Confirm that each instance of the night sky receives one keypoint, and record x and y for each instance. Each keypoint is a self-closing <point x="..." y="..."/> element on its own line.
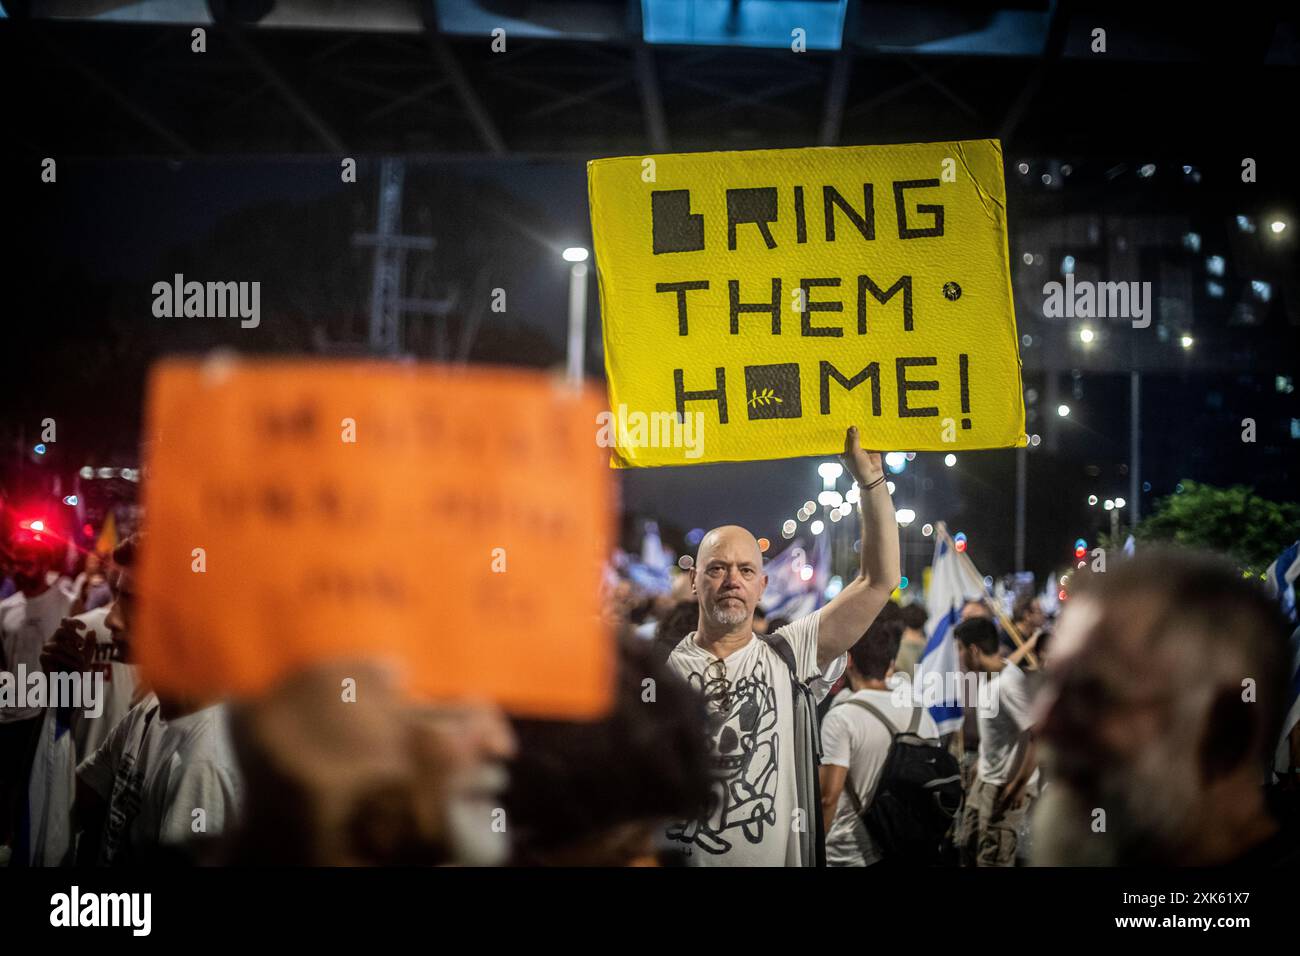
<point x="112" y="228"/>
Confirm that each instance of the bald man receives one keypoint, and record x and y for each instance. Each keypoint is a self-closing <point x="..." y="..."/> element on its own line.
<point x="760" y="813"/>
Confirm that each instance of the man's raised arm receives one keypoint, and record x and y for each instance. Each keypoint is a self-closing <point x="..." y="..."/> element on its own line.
<point x="847" y="618"/>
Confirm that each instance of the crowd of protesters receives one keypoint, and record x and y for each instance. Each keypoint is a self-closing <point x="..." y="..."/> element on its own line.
<point x="1141" y="727"/>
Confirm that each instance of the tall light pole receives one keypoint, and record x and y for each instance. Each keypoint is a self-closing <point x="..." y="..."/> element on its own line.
<point x="1135" y="446"/>
<point x="577" y="257"/>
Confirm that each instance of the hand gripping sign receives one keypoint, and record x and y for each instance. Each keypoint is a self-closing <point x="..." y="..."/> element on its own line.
<point x="772" y="298"/>
<point x="450" y="523"/>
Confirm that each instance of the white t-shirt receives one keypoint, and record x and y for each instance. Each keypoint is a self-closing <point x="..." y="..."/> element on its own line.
<point x="25" y="625"/>
<point x="1000" y="733"/>
<point x="751" y="819"/>
<point x="856" y="739"/>
<point x="52" y="787"/>
<point x="154" y="774"/>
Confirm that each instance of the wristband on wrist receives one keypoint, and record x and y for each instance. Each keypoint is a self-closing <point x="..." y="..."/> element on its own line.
<point x="878" y="481"/>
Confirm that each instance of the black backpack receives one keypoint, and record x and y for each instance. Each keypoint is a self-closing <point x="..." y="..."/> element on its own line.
<point x="916" y="797"/>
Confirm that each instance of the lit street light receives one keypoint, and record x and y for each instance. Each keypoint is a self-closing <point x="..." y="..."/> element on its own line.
<point x="577" y="255"/>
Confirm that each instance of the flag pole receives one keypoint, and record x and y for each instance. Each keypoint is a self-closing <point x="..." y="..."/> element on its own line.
<point x="1013" y="632"/>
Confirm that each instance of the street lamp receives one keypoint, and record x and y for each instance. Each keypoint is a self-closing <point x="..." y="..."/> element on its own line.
<point x="577" y="257"/>
<point x="1063" y="410"/>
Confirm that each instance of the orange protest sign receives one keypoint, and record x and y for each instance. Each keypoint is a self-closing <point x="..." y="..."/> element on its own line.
<point x="451" y="522"/>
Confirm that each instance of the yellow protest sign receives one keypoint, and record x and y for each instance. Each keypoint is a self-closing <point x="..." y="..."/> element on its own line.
<point x="757" y="303"/>
<point x="450" y="523"/>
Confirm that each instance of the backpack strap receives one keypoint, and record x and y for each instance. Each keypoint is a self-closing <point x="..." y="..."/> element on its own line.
<point x="914" y="724"/>
<point x="808" y="750"/>
<point x="893" y="731"/>
<point x="783" y="651"/>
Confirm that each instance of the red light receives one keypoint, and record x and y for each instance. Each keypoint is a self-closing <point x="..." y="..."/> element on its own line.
<point x="88" y="530"/>
<point x="959" y="545"/>
<point x="1061" y="594"/>
<point x="1080" y="552"/>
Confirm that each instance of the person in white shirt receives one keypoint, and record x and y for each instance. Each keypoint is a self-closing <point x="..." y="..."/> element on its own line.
<point x="1006" y="777"/>
<point x="165" y="777"/>
<point x="82" y="644"/>
<point x="855" y="743"/>
<point x="27" y="617"/>
<point x="764" y="776"/>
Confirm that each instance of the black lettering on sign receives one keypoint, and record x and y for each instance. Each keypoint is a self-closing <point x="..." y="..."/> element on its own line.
<point x="900" y="206"/>
<point x="901" y="365"/>
<point x="865" y="285"/>
<point x="963" y="363"/>
<point x="672" y="225"/>
<point x="286" y="424"/>
<point x="277" y="502"/>
<point x="772" y="391"/>
<point x="718" y="394"/>
<point x="866" y="223"/>
<point x="681" y="288"/>
<point x="751" y="205"/>
<point x="800" y="222"/>
<point x="737" y="307"/>
<point x="829" y="371"/>
<point x="809" y="307"/>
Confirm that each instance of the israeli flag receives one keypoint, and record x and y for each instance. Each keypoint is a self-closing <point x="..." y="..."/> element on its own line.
<point x="953" y="581"/>
<point x="652" y="573"/>
<point x="793" y="592"/>
<point x="1280" y="581"/>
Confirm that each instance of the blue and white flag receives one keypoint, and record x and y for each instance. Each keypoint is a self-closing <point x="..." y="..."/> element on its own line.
<point x="796" y="580"/>
<point x="652" y="573"/>
<point x="953" y="581"/>
<point x="1281" y="577"/>
<point x="1280" y="581"/>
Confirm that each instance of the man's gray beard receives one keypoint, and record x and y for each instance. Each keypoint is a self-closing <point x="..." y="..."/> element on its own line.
<point x="470" y="818"/>
<point x="729" y="618"/>
<point x="1148" y="817"/>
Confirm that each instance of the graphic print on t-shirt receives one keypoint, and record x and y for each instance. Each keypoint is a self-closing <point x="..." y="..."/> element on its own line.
<point x="746" y="753"/>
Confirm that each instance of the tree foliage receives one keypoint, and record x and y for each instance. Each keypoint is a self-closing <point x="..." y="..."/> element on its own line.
<point x="1234" y="521"/>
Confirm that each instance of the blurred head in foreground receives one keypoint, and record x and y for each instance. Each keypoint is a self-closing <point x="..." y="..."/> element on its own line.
<point x="341" y="769"/>
<point x="1160" y="711"/>
<point x="598" y="793"/>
